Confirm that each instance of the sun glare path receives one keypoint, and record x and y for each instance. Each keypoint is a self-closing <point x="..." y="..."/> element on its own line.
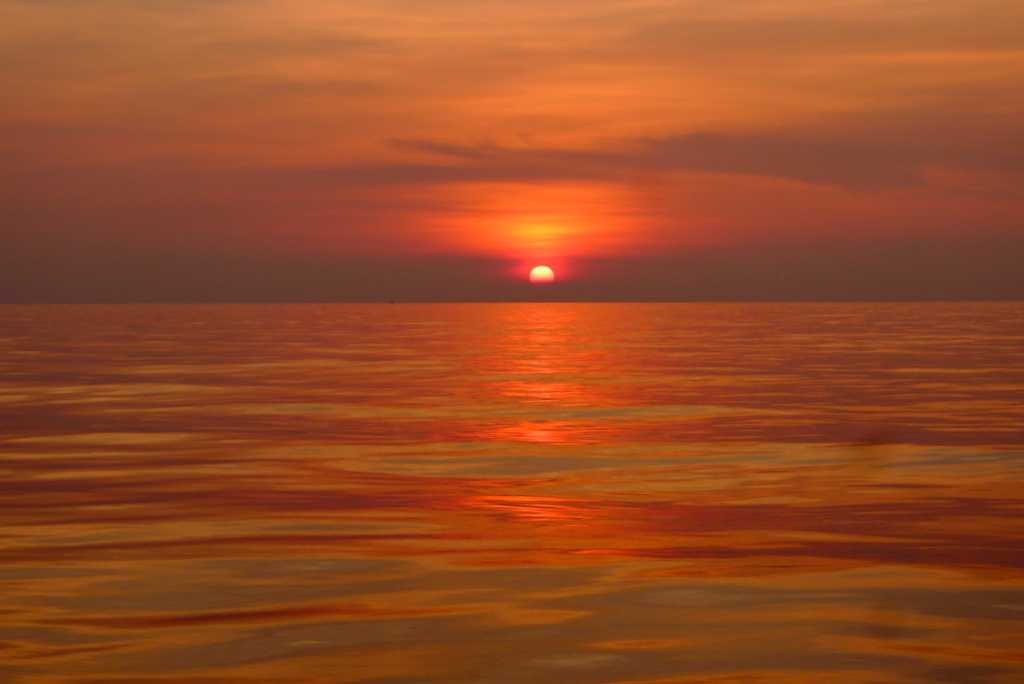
<point x="541" y="274"/>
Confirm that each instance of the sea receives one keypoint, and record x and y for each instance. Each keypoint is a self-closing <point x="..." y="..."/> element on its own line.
<point x="549" y="493"/>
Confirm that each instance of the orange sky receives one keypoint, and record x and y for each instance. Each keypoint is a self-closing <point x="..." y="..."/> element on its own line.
<point x="514" y="130"/>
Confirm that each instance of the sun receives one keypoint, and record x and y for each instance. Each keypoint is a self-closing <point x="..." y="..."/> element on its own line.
<point x="541" y="274"/>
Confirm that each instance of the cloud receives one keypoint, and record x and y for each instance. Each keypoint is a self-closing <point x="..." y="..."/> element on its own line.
<point x="841" y="162"/>
<point x="849" y="162"/>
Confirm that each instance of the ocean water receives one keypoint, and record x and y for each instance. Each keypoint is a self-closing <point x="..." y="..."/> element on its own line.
<point x="549" y="493"/>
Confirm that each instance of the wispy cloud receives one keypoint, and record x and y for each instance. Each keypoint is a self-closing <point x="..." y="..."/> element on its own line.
<point x="841" y="161"/>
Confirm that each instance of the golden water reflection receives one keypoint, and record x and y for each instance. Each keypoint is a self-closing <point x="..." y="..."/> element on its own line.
<point x="512" y="493"/>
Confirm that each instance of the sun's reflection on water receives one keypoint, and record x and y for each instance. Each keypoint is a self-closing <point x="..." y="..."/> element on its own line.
<point x="543" y="493"/>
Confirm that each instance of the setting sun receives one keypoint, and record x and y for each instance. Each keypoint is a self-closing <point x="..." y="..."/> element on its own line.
<point x="541" y="274"/>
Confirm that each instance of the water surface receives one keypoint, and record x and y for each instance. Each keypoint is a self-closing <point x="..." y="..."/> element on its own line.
<point x="563" y="493"/>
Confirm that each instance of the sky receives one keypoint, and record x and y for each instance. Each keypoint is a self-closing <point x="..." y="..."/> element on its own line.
<point x="315" y="150"/>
